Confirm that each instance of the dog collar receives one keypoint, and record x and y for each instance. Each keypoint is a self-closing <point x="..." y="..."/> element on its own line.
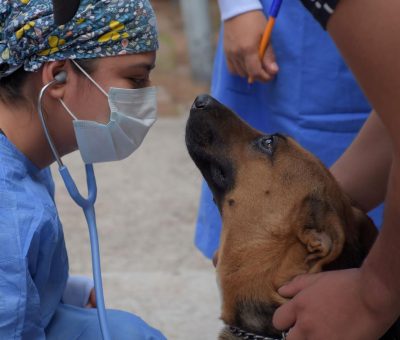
<point x="240" y="333"/>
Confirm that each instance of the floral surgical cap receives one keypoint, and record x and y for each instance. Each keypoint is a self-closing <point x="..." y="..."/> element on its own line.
<point x="100" y="28"/>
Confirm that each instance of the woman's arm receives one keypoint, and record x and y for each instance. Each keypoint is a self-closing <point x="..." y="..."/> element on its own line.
<point x="363" y="170"/>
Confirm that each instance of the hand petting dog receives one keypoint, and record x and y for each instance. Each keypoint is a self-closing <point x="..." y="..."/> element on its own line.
<point x="307" y="317"/>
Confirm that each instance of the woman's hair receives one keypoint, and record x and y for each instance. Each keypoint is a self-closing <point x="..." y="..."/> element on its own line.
<point x="11" y="87"/>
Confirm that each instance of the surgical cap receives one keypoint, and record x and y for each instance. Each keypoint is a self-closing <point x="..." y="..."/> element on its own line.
<point x="100" y="28"/>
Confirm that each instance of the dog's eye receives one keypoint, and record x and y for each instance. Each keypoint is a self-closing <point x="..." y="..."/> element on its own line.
<point x="267" y="144"/>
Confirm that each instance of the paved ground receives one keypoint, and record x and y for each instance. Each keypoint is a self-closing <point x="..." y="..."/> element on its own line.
<point x="146" y="211"/>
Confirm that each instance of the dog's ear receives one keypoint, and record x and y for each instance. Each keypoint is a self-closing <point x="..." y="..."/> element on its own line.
<point x="322" y="234"/>
<point x="360" y="234"/>
<point x="215" y="259"/>
<point x="365" y="229"/>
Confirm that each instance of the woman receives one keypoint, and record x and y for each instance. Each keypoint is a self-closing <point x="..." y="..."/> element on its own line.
<point x="104" y="52"/>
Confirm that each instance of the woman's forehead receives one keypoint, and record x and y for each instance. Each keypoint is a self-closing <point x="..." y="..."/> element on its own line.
<point x="145" y="61"/>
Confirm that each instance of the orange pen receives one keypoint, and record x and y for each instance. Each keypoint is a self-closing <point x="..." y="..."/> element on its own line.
<point x="273" y="13"/>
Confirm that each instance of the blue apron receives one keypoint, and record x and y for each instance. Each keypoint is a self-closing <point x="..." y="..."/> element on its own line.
<point x="314" y="99"/>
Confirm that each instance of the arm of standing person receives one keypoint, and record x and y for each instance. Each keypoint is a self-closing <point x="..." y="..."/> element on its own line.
<point x="230" y="9"/>
<point x="244" y="24"/>
<point x="359" y="303"/>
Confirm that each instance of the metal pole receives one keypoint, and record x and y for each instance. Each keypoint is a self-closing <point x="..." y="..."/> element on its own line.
<point x="196" y="18"/>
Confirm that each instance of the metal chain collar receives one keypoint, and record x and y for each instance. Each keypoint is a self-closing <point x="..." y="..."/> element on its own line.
<point x="251" y="336"/>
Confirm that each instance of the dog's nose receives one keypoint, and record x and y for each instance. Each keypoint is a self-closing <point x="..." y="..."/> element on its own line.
<point x="202" y="101"/>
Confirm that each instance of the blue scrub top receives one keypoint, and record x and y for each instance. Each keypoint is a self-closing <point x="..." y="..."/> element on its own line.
<point x="314" y="99"/>
<point x="34" y="263"/>
<point x="33" y="258"/>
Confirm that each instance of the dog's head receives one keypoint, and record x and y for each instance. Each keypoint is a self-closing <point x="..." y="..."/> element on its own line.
<point x="283" y="213"/>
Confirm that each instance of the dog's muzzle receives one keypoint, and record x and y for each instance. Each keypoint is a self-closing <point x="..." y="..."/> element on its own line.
<point x="251" y="336"/>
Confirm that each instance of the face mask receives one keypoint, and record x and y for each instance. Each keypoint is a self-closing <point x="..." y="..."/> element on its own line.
<point x="133" y="112"/>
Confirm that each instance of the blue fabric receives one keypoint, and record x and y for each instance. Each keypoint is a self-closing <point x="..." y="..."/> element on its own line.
<point x="33" y="258"/>
<point x="314" y="99"/>
<point x="100" y="28"/>
<point x="72" y="322"/>
<point x="34" y="263"/>
<point x="77" y="290"/>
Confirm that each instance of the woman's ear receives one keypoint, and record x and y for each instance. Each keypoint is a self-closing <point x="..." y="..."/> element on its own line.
<point x="55" y="71"/>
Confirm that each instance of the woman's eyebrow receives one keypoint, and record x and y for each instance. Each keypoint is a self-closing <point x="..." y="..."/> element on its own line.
<point x="146" y="66"/>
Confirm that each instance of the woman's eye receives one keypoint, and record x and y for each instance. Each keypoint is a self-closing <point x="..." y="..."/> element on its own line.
<point x="140" y="82"/>
<point x="267" y="144"/>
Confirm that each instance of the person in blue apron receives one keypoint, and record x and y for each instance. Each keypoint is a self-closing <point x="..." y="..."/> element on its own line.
<point x="313" y="98"/>
<point x="90" y="77"/>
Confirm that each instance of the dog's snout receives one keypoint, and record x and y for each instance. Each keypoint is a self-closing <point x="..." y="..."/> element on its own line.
<point x="202" y="101"/>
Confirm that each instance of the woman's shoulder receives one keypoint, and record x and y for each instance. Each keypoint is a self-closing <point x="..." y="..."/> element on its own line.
<point x="18" y="172"/>
<point x="12" y="161"/>
<point x="26" y="195"/>
<point x="28" y="218"/>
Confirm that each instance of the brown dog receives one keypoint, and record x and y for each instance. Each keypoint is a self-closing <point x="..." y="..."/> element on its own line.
<point x="283" y="215"/>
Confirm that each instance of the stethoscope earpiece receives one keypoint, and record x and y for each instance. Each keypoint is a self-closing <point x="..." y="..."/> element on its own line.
<point x="61" y="77"/>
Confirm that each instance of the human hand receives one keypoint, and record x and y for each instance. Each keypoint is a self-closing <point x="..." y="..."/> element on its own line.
<point x="92" y="303"/>
<point x="331" y="306"/>
<point x="242" y="37"/>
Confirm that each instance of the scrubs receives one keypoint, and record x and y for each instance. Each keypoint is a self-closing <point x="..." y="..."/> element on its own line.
<point x="34" y="262"/>
<point x="314" y="99"/>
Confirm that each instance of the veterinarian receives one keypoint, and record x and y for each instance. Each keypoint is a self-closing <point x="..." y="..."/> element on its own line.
<point x="360" y="303"/>
<point x="290" y="96"/>
<point x="98" y="62"/>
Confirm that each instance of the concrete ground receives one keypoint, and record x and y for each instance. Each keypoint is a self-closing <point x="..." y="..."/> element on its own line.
<point x="146" y="212"/>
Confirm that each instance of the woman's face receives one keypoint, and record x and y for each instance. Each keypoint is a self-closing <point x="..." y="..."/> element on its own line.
<point x="87" y="102"/>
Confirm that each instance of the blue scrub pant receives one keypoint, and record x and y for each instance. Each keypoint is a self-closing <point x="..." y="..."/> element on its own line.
<point x="70" y="323"/>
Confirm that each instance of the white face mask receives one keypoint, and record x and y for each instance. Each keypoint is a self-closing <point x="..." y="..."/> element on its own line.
<point x="133" y="112"/>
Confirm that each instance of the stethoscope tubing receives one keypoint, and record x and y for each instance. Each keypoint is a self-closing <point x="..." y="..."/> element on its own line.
<point x="87" y="204"/>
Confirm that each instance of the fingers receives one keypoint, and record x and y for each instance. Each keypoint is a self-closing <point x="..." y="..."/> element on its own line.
<point x="254" y="68"/>
<point x="248" y="65"/>
<point x="92" y="300"/>
<point x="297" y="284"/>
<point x="242" y="36"/>
<point x="284" y="317"/>
<point x="295" y="334"/>
<point x="269" y="62"/>
<point x="235" y="66"/>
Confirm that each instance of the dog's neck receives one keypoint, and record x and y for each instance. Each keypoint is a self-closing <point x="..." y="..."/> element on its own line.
<point x="256" y="316"/>
<point x="242" y="334"/>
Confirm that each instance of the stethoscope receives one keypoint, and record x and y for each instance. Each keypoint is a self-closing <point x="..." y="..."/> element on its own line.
<point x="87" y="206"/>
